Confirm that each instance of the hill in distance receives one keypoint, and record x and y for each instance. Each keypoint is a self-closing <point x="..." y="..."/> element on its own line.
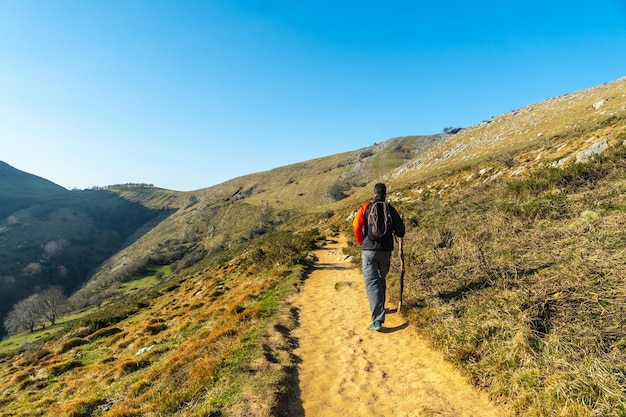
<point x="18" y="189"/>
<point x="52" y="237"/>
<point x="514" y="257"/>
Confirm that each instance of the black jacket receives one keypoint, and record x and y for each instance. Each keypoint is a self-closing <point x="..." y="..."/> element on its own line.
<point x="387" y="244"/>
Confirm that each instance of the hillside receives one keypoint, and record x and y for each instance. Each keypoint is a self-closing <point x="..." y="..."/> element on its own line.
<point x="212" y="220"/>
<point x="18" y="189"/>
<point x="515" y="267"/>
<point x="52" y="237"/>
<point x="550" y="132"/>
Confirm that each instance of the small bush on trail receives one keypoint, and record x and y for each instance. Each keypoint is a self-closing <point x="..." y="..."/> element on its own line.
<point x="283" y="248"/>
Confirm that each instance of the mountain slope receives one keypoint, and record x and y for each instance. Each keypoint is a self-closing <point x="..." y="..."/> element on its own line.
<point x="514" y="255"/>
<point x="18" y="189"/>
<point x="52" y="237"/>
<point x="544" y="132"/>
<point x="21" y="184"/>
<point x="217" y="218"/>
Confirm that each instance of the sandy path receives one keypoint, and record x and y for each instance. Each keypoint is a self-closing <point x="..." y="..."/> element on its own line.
<point x="347" y="370"/>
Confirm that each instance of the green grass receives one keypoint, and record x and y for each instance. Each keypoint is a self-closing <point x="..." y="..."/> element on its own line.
<point x="10" y="345"/>
<point x="155" y="275"/>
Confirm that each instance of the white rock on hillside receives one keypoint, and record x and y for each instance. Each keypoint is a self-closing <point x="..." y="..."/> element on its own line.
<point x="595" y="149"/>
<point x="144" y="350"/>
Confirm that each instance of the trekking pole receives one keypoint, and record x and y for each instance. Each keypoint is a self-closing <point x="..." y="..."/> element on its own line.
<point x="401" y="253"/>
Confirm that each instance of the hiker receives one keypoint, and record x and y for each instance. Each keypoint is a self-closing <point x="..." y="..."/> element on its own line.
<point x="376" y="236"/>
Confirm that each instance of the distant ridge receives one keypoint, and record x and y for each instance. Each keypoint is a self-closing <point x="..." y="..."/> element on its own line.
<point x="23" y="184"/>
<point x="19" y="189"/>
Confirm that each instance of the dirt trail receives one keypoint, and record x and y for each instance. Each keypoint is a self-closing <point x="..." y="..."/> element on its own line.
<point x="347" y="370"/>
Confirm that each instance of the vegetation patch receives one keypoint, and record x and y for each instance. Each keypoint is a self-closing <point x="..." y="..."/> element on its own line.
<point x="82" y="407"/>
<point x="129" y="366"/>
<point x="208" y="358"/>
<point x="106" y="332"/>
<point x="526" y="297"/>
<point x="63" y="367"/>
<point x="72" y="343"/>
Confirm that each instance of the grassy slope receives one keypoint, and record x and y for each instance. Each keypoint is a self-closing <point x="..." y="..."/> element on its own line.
<point x="217" y="218"/>
<point x="19" y="190"/>
<point x="520" y="283"/>
<point x="19" y="184"/>
<point x="514" y="274"/>
<point x="204" y="337"/>
<point x="515" y="269"/>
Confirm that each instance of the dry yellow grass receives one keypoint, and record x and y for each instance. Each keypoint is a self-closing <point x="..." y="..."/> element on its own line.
<point x="190" y="354"/>
<point x="520" y="282"/>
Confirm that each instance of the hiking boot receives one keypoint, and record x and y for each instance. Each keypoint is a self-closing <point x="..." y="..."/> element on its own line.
<point x="375" y="326"/>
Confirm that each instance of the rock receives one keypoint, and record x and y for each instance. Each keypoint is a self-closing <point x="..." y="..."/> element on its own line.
<point x="595" y="149"/>
<point x="598" y="104"/>
<point x="561" y="161"/>
<point x="144" y="350"/>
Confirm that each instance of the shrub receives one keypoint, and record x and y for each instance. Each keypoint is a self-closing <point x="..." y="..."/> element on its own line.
<point x="112" y="314"/>
<point x="154" y="329"/>
<point x="547" y="206"/>
<point x="283" y="248"/>
<point x="132" y="365"/>
<point x="82" y="407"/>
<point x="33" y="354"/>
<point x="337" y="192"/>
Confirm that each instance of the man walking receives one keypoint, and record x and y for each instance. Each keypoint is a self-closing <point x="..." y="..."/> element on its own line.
<point x="374" y="227"/>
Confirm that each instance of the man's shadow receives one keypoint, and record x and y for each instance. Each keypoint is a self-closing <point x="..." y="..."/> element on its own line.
<point x="395" y="328"/>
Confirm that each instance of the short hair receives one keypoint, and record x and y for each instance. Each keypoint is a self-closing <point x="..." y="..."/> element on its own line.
<point x="380" y="189"/>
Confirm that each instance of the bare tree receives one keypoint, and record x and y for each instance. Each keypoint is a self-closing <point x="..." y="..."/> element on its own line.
<point x="52" y="301"/>
<point x="24" y="316"/>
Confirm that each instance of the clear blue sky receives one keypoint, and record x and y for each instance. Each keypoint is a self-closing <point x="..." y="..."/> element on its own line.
<point x="188" y="94"/>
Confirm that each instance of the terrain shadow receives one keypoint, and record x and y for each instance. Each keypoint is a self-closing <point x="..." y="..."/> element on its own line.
<point x="394" y="329"/>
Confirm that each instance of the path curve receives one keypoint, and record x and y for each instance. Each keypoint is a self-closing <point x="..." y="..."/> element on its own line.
<point x="347" y="370"/>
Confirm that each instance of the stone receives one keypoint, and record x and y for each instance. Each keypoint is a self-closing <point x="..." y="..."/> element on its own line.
<point x="595" y="149"/>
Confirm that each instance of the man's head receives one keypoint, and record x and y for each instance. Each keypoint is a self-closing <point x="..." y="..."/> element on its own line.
<point x="380" y="190"/>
